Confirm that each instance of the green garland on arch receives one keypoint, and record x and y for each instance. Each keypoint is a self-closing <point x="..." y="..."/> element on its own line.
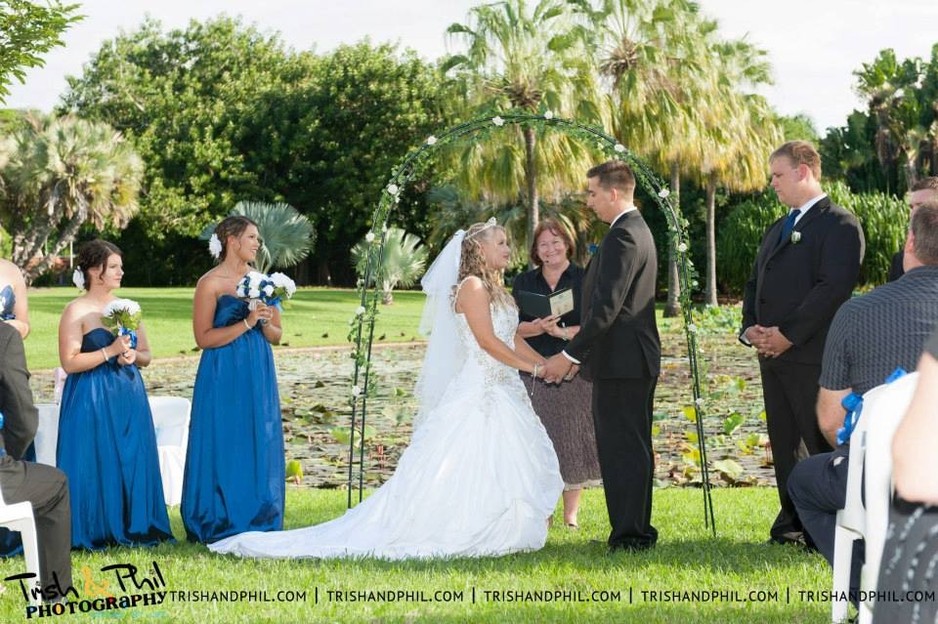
<point x="362" y="324"/>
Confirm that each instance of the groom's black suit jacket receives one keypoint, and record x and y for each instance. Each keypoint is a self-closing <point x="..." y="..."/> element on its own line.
<point x="620" y="350"/>
<point x="618" y="337"/>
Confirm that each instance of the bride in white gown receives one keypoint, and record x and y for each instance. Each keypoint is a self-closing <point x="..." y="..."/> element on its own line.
<point x="480" y="477"/>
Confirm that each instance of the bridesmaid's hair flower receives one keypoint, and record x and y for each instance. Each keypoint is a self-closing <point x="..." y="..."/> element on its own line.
<point x="78" y="278"/>
<point x="214" y="246"/>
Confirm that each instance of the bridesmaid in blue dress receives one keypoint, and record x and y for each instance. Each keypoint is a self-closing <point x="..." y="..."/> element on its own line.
<point x="107" y="445"/>
<point x="234" y="478"/>
<point x="13" y="306"/>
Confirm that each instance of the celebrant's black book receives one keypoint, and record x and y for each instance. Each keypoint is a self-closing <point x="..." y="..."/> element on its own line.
<point x="539" y="306"/>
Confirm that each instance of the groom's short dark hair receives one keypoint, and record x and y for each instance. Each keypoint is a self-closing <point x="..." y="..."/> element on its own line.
<point x="614" y="174"/>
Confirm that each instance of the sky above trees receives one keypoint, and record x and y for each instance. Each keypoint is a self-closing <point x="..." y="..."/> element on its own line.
<point x="813" y="46"/>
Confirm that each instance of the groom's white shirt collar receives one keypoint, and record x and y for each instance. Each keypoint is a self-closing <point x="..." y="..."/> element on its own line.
<point x="628" y="209"/>
<point x="805" y="207"/>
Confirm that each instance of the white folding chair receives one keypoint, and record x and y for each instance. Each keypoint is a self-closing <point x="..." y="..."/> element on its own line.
<point x="19" y="517"/>
<point x="851" y="520"/>
<point x="171" y="422"/>
<point x="47" y="434"/>
<point x="884" y="419"/>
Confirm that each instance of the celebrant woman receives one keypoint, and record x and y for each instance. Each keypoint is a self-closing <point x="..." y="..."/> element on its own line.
<point x="565" y="409"/>
<point x="480" y="476"/>
<point x="234" y="477"/>
<point x="107" y="445"/>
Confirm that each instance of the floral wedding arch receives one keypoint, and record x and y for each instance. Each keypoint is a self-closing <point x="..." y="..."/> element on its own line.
<point x="362" y="325"/>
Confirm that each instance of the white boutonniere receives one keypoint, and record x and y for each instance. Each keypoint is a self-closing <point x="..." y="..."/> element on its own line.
<point x="795" y="237"/>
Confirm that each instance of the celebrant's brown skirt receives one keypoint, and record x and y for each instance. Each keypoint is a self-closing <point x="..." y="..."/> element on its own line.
<point x="568" y="418"/>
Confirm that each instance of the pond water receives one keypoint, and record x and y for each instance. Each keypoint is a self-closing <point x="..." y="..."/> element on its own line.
<point x="315" y="383"/>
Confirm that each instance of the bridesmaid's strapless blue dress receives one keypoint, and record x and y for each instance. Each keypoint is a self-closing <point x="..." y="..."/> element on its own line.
<point x="107" y="448"/>
<point x="234" y="478"/>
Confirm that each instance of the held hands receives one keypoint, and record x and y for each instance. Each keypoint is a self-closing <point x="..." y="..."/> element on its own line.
<point x="768" y="341"/>
<point x="558" y="368"/>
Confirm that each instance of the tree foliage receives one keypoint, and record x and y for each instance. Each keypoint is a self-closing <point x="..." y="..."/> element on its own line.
<point x="403" y="262"/>
<point x="56" y="175"/>
<point x="27" y="31"/>
<point x="529" y="57"/>
<point x="894" y="142"/>
<point x="223" y="113"/>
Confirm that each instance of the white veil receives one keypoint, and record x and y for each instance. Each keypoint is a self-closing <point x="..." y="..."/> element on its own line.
<point x="445" y="354"/>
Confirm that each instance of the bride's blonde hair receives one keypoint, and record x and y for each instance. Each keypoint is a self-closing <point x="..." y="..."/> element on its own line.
<point x="472" y="261"/>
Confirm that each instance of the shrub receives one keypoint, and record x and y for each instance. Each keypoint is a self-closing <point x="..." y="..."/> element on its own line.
<point x="884" y="220"/>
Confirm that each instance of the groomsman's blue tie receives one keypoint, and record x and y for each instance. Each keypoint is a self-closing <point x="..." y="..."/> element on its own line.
<point x="789" y="225"/>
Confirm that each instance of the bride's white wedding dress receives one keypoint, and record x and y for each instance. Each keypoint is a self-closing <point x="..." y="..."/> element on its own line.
<point x="480" y="477"/>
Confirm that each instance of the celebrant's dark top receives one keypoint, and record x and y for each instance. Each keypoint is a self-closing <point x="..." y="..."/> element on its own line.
<point x="533" y="281"/>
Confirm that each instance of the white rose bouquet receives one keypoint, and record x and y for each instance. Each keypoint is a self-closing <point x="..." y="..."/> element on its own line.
<point x="271" y="289"/>
<point x="123" y="316"/>
<point x="284" y="288"/>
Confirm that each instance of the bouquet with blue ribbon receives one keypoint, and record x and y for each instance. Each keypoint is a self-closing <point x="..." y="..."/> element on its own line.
<point x="7" y="301"/>
<point x="122" y="317"/>
<point x="270" y="289"/>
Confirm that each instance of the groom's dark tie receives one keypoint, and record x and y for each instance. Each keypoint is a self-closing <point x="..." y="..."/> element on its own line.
<point x="789" y="224"/>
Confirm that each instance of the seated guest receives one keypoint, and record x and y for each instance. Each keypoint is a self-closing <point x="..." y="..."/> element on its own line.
<point x="924" y="190"/>
<point x="43" y="486"/>
<point x="911" y="543"/>
<point x="14" y="310"/>
<point x="869" y="337"/>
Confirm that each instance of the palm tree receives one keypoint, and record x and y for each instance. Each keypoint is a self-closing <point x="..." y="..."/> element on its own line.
<point x="287" y="235"/>
<point x="741" y="130"/>
<point x="892" y="89"/>
<point x="650" y="56"/>
<point x="59" y="174"/>
<point x="529" y="60"/>
<point x="402" y="262"/>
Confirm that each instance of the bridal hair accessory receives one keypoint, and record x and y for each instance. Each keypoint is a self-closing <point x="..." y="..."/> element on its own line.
<point x="214" y="246"/>
<point x="444" y="355"/>
<point x="78" y="278"/>
<point x="488" y="224"/>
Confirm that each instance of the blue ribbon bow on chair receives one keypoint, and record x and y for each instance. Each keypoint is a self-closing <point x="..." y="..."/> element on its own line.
<point x="853" y="403"/>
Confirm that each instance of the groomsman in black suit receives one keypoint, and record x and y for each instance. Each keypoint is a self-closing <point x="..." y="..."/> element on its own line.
<point x="619" y="350"/>
<point x="43" y="486"/>
<point x="807" y="265"/>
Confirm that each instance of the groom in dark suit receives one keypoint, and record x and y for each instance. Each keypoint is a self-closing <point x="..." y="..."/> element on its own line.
<point x="619" y="350"/>
<point x="807" y="265"/>
<point x="43" y="486"/>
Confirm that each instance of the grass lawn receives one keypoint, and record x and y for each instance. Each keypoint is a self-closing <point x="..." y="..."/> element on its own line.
<point x="706" y="579"/>
<point x="315" y="317"/>
<point x="744" y="579"/>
